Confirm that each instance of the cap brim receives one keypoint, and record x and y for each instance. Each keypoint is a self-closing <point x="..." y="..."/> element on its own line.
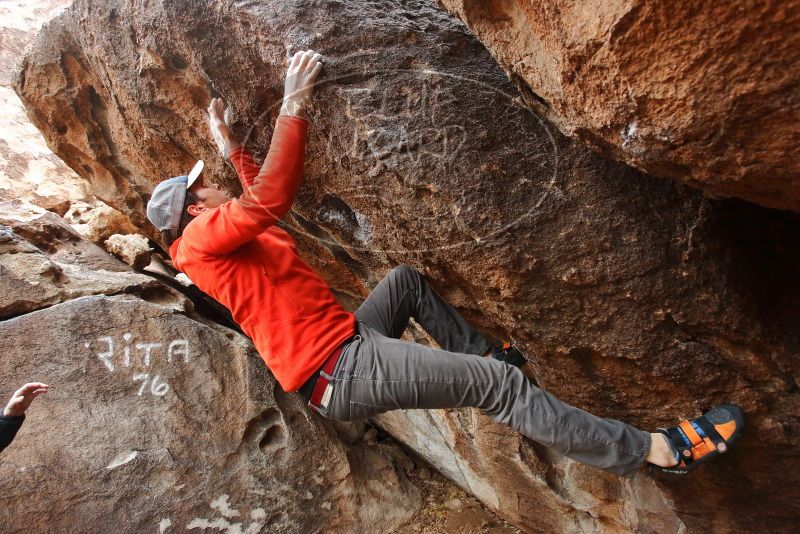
<point x="195" y="174"/>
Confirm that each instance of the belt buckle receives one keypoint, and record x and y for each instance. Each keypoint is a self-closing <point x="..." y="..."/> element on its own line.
<point x="327" y="393"/>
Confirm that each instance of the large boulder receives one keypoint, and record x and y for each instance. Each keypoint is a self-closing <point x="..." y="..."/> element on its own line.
<point x="155" y="420"/>
<point x="635" y="297"/>
<point x="28" y="169"/>
<point x="159" y="420"/>
<point x="702" y="92"/>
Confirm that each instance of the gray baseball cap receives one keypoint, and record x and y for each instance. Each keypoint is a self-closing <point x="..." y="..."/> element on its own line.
<point x="166" y="203"/>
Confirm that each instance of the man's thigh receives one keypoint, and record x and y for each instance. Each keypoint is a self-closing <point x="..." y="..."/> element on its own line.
<point x="381" y="373"/>
<point x="389" y="305"/>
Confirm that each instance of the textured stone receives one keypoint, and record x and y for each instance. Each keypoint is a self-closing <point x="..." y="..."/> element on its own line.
<point x="29" y="171"/>
<point x="56" y="266"/>
<point x="635" y="297"/>
<point x="703" y="92"/>
<point x="97" y="221"/>
<point x="156" y="419"/>
<point x="133" y="249"/>
<point x="55" y="237"/>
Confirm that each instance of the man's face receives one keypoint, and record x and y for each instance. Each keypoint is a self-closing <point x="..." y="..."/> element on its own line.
<point x="208" y="197"/>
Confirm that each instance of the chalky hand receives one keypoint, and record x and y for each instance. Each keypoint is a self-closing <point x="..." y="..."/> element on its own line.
<point x="304" y="68"/>
<point x="225" y="139"/>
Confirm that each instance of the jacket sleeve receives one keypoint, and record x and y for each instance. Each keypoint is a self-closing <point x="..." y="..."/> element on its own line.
<point x="246" y="167"/>
<point x="225" y="229"/>
<point x="8" y="429"/>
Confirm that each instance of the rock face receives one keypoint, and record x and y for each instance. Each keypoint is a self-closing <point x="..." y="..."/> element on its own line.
<point x="159" y="421"/>
<point x="636" y="298"/>
<point x="29" y="171"/>
<point x="72" y="267"/>
<point x="706" y="93"/>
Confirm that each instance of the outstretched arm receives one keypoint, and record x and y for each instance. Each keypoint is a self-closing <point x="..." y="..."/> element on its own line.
<point x="274" y="187"/>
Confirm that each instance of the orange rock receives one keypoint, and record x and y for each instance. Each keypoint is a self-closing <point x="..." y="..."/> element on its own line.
<point x="702" y="92"/>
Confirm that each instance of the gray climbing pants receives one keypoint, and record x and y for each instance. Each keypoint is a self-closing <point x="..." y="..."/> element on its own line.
<point x="378" y="372"/>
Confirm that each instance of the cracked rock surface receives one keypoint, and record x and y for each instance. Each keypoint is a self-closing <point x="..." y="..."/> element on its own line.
<point x="634" y="297"/>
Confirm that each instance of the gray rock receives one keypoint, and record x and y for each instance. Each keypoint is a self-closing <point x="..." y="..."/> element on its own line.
<point x="154" y="418"/>
<point x="636" y="298"/>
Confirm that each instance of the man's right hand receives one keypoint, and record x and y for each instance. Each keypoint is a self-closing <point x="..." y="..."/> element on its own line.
<point x="304" y="68"/>
<point x="23" y="397"/>
<point x="225" y="139"/>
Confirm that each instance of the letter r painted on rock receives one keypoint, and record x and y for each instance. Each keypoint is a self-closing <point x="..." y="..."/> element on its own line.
<point x="107" y="357"/>
<point x="178" y="347"/>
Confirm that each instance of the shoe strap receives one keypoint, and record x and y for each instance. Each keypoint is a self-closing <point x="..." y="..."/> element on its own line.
<point x="681" y="442"/>
<point x="704" y="426"/>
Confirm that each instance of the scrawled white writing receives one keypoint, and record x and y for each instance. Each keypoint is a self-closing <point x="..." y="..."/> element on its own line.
<point x="115" y="355"/>
<point x="157" y="388"/>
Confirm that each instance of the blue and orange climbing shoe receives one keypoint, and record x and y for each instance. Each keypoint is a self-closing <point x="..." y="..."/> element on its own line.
<point x="696" y="441"/>
<point x="509" y="354"/>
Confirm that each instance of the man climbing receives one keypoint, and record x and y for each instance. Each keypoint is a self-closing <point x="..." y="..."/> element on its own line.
<point x="350" y="366"/>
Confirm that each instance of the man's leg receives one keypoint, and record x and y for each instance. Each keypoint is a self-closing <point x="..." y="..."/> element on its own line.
<point x="404" y="293"/>
<point x="377" y="373"/>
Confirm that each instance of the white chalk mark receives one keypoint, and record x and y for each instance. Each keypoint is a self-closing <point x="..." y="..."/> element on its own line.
<point x="221" y="504"/>
<point x="178" y="347"/>
<point x="141" y="376"/>
<point x="219" y="524"/>
<point x="259" y="516"/>
<point x="122" y="459"/>
<point x="158" y="389"/>
<point x="163" y="525"/>
<point x="147" y="347"/>
<point x="106" y="357"/>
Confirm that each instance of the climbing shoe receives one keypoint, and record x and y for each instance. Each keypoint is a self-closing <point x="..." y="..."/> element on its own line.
<point x="693" y="442"/>
<point x="509" y="354"/>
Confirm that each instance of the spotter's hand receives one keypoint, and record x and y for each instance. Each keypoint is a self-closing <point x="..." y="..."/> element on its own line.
<point x="23" y="397"/>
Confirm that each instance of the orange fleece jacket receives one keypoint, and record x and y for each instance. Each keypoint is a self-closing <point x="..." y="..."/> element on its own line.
<point x="237" y="254"/>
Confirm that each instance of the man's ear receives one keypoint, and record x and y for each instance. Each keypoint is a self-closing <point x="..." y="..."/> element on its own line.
<point x="195" y="209"/>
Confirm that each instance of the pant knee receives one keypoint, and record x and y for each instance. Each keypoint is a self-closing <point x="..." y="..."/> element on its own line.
<point x="404" y="271"/>
<point x="508" y="389"/>
<point x="407" y="277"/>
